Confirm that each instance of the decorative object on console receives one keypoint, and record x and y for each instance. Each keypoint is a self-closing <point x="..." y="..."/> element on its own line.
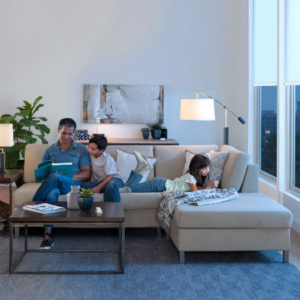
<point x="203" y="110"/>
<point x="127" y="162"/>
<point x="100" y="115"/>
<point x="146" y="132"/>
<point x="217" y="159"/>
<point x="6" y="140"/>
<point x="156" y="130"/>
<point x="126" y="104"/>
<point x="81" y="135"/>
<point x="86" y="200"/>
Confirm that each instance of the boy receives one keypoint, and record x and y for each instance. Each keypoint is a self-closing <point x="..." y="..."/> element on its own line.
<point x="108" y="178"/>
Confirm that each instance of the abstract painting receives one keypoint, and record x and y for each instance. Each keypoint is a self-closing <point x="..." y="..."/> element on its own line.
<point x="125" y="104"/>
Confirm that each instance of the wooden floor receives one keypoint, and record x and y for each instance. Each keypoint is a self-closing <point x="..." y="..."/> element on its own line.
<point x="295" y="236"/>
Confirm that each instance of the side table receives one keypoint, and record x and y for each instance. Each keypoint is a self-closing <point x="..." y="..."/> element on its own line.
<point x="11" y="176"/>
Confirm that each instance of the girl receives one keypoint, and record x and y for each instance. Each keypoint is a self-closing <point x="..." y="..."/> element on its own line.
<point x="195" y="179"/>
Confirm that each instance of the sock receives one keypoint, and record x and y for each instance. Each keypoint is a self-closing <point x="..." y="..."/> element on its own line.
<point x="141" y="162"/>
<point x="145" y="168"/>
<point x="124" y="190"/>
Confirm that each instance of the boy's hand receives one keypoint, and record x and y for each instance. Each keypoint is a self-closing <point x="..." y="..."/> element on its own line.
<point x="96" y="189"/>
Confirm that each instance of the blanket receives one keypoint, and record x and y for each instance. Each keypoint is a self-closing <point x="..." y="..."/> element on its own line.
<point x="202" y="197"/>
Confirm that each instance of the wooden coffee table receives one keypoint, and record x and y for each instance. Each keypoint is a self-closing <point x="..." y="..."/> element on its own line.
<point x="113" y="215"/>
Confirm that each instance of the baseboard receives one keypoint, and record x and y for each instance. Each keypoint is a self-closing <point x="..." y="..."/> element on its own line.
<point x="296" y="225"/>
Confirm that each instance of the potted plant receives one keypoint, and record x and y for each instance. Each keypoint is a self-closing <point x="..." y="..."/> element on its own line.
<point x="164" y="132"/>
<point x="24" y="122"/>
<point x="155" y="130"/>
<point x="146" y="132"/>
<point x="85" y="201"/>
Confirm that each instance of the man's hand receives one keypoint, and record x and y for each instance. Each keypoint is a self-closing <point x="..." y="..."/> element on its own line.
<point x="213" y="184"/>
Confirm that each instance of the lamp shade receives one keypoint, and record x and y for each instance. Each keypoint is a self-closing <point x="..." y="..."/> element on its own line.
<point x="197" y="109"/>
<point x="6" y="135"/>
<point x="101" y="114"/>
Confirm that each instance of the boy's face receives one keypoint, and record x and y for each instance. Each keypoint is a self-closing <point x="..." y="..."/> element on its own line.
<point x="93" y="150"/>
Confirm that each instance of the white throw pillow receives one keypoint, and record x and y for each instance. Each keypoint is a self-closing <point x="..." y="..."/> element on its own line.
<point x="217" y="159"/>
<point x="127" y="162"/>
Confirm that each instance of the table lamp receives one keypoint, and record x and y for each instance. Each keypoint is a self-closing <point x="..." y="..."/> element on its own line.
<point x="203" y="110"/>
<point x="6" y="140"/>
<point x="100" y="115"/>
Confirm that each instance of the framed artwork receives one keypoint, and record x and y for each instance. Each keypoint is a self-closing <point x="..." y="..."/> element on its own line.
<point x="125" y="104"/>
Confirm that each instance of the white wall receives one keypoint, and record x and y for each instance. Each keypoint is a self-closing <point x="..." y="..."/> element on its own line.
<point x="52" y="48"/>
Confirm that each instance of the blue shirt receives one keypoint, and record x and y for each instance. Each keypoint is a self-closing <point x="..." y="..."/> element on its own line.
<point x="78" y="155"/>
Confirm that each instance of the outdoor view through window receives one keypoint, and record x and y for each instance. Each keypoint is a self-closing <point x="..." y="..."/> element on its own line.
<point x="268" y="129"/>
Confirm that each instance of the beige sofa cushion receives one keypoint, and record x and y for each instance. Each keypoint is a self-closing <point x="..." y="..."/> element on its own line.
<point x="34" y="152"/>
<point x="129" y="201"/>
<point x="250" y="210"/>
<point x="171" y="159"/>
<point x="234" y="169"/>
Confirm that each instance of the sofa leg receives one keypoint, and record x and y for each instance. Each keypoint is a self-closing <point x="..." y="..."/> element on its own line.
<point x="158" y="232"/>
<point x="182" y="257"/>
<point x="286" y="256"/>
<point x="17" y="232"/>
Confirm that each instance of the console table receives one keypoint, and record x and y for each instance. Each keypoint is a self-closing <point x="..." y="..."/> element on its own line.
<point x="140" y="142"/>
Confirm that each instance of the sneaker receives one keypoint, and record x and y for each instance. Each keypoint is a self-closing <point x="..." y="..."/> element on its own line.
<point x="47" y="242"/>
<point x="124" y="190"/>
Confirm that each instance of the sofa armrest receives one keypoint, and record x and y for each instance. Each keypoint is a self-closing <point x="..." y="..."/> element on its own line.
<point x="250" y="183"/>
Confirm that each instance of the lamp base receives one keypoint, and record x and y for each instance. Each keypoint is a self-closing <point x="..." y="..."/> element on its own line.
<point x="226" y="136"/>
<point x="2" y="163"/>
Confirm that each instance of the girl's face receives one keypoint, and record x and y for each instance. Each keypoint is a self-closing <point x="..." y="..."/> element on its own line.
<point x="204" y="171"/>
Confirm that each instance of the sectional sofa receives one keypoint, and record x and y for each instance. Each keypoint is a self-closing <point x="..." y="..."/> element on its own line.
<point x="251" y="222"/>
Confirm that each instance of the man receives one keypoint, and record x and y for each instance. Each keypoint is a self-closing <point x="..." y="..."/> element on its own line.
<point x="108" y="178"/>
<point x="64" y="150"/>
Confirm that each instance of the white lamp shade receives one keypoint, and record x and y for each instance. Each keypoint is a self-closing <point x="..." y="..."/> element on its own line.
<point x="197" y="109"/>
<point x="6" y="135"/>
<point x="101" y="114"/>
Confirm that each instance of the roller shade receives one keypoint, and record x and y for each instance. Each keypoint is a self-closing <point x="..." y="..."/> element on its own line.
<point x="292" y="41"/>
<point x="265" y="41"/>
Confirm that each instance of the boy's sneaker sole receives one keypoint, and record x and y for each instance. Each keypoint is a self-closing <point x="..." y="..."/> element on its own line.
<point x="47" y="243"/>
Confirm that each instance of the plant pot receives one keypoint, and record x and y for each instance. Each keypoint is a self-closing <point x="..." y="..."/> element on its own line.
<point x="85" y="204"/>
<point x="164" y="133"/>
<point x="156" y="134"/>
<point x="145" y="134"/>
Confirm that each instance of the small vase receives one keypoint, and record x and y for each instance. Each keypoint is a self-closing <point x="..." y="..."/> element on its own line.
<point x="72" y="198"/>
<point x="145" y="134"/>
<point x="156" y="134"/>
<point x="85" y="204"/>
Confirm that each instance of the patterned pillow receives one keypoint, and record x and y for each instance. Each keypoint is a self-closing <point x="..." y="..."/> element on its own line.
<point x="217" y="159"/>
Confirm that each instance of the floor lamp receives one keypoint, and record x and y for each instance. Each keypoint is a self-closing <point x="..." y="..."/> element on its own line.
<point x="204" y="110"/>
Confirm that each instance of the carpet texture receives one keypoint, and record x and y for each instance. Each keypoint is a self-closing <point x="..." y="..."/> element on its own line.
<point x="152" y="270"/>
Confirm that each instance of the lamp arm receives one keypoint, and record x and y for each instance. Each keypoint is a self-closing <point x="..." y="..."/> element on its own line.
<point x="224" y="106"/>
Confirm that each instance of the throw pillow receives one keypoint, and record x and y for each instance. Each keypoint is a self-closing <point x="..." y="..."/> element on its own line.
<point x="127" y="162"/>
<point x="217" y="159"/>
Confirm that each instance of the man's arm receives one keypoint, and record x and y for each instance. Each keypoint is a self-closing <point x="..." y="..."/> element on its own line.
<point x="101" y="185"/>
<point x="84" y="174"/>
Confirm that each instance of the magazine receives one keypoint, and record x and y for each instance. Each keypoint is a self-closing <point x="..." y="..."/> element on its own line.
<point x="44" y="208"/>
<point x="47" y="167"/>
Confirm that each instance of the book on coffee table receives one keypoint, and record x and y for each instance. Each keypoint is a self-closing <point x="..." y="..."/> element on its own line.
<point x="44" y="208"/>
<point x="47" y="167"/>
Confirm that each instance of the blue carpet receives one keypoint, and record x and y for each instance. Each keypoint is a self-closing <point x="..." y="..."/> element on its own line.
<point x="152" y="270"/>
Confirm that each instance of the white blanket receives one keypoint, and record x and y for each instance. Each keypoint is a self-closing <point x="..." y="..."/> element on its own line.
<point x="202" y="197"/>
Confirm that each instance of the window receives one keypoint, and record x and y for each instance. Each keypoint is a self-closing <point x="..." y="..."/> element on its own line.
<point x="267" y="129"/>
<point x="295" y="93"/>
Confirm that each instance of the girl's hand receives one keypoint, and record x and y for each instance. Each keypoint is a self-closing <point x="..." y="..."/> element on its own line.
<point x="213" y="184"/>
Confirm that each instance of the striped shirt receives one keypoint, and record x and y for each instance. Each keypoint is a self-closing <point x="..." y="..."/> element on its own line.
<point x="180" y="184"/>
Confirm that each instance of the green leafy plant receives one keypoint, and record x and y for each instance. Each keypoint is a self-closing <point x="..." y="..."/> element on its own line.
<point x="145" y="130"/>
<point x="156" y="126"/>
<point x="23" y="123"/>
<point x="86" y="193"/>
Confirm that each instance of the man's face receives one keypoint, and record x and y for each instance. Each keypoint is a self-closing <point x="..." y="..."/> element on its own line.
<point x="65" y="134"/>
<point x="93" y="150"/>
